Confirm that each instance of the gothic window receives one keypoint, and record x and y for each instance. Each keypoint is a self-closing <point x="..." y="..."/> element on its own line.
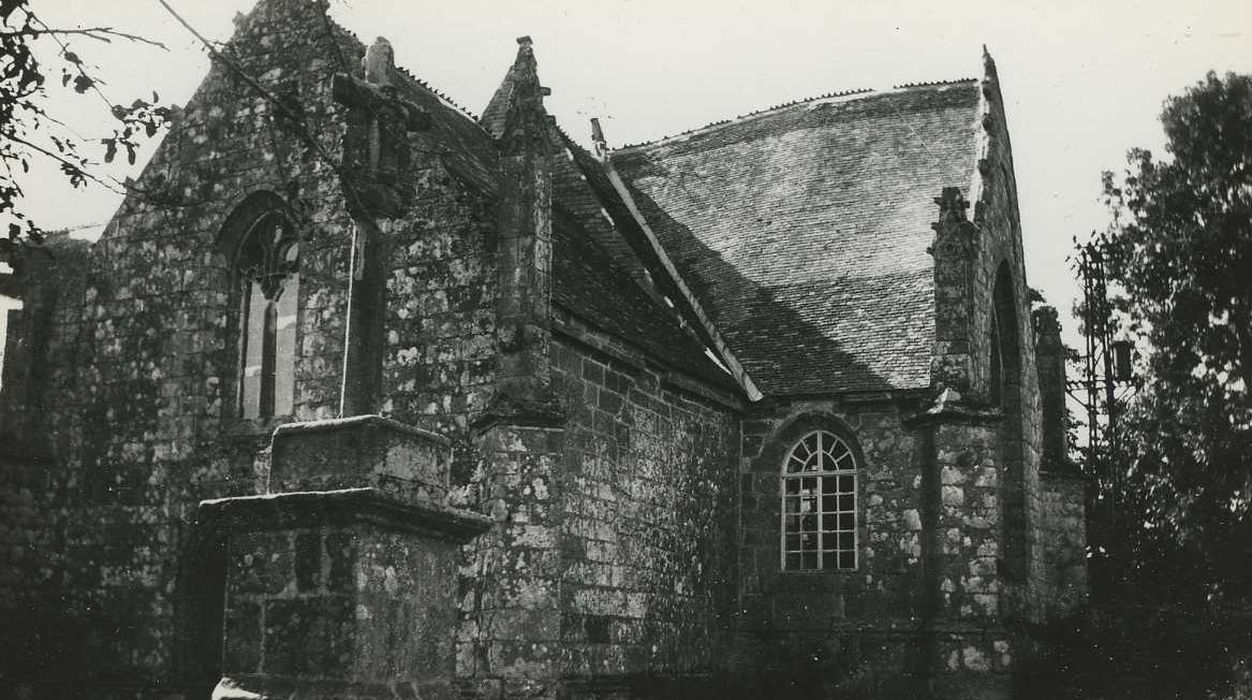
<point x="819" y="509"/>
<point x="995" y="383"/>
<point x="267" y="274"/>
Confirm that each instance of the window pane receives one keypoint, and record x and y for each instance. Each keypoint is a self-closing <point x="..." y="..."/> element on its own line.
<point x="810" y="444"/>
<point x="254" y="331"/>
<point x="819" y="524"/>
<point x="285" y="365"/>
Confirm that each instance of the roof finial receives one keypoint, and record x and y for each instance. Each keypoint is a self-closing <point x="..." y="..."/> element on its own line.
<point x="988" y="66"/>
<point x="952" y="205"/>
<point x="524" y="41"/>
<point x="379" y="62"/>
<point x="597" y="138"/>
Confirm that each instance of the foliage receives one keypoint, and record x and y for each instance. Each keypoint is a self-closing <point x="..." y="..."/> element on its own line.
<point x="1179" y="252"/>
<point x="28" y="131"/>
<point x="1130" y="650"/>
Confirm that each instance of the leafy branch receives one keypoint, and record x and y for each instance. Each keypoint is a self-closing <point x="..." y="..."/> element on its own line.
<point x="28" y="131"/>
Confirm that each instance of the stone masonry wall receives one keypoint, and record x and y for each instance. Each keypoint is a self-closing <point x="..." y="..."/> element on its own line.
<point x="834" y="624"/>
<point x="999" y="248"/>
<point x="140" y="360"/>
<point x="45" y="327"/>
<point x="1064" y="538"/>
<point x="612" y="562"/>
<point x="648" y="539"/>
<point x="440" y="360"/>
<point x="331" y="603"/>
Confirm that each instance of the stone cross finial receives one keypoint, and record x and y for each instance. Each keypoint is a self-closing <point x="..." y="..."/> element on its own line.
<point x="379" y="62"/>
<point x="597" y="138"/>
<point x="376" y="143"/>
<point x="952" y="205"/>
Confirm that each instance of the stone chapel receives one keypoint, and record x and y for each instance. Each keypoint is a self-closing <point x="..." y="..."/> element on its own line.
<point x="359" y="395"/>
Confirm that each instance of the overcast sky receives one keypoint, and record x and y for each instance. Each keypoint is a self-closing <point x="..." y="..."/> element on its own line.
<point x="1083" y="81"/>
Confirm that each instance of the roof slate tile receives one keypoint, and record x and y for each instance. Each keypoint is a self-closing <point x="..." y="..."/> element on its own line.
<point x="804" y="230"/>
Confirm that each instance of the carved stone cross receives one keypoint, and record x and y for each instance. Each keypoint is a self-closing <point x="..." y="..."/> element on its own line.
<point x="376" y="159"/>
<point x="378" y="186"/>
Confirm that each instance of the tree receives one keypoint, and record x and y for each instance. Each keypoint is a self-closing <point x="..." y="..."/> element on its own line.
<point x="1179" y="251"/>
<point x="28" y="131"/>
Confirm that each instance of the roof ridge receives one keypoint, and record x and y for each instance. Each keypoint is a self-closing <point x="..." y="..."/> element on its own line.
<point x="749" y="115"/>
<point x="807" y="100"/>
<point x="438" y="93"/>
<point x="932" y="83"/>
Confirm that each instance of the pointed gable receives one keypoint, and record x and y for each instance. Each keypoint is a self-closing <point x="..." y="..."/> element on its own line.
<point x="596" y="275"/>
<point x="804" y="230"/>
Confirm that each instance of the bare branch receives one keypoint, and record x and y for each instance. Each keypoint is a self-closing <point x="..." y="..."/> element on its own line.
<point x="76" y="166"/>
<point x="97" y="33"/>
<point x="95" y="85"/>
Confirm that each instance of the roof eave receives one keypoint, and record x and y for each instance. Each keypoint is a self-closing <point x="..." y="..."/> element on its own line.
<point x="723" y="352"/>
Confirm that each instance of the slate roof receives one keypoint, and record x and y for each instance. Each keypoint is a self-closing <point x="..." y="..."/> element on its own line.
<point x="803" y="230"/>
<point x="597" y="276"/>
<point x="589" y="285"/>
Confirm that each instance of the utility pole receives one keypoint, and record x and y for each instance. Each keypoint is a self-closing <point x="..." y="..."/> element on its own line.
<point x="1104" y="364"/>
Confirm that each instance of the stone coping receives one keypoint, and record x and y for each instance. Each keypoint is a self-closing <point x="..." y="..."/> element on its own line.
<point x="368" y="420"/>
<point x="960" y="415"/>
<point x="301" y="509"/>
<point x="1063" y="474"/>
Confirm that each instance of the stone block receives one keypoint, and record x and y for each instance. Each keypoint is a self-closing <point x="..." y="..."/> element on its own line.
<point x="351" y="588"/>
<point x="360" y="452"/>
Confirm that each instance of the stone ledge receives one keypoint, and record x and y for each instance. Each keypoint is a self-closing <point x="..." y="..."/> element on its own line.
<point x="366" y="451"/>
<point x="517" y="412"/>
<point x="354" y="422"/>
<point x="962" y="415"/>
<point x="253" y="687"/>
<point x="302" y="509"/>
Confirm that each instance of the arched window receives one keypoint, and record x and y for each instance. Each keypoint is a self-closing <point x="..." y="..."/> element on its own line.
<point x="819" y="508"/>
<point x="266" y="270"/>
<point x="995" y="382"/>
<point x="1005" y="392"/>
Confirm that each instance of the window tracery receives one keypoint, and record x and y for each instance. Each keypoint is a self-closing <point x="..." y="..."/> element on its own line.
<point x="267" y="269"/>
